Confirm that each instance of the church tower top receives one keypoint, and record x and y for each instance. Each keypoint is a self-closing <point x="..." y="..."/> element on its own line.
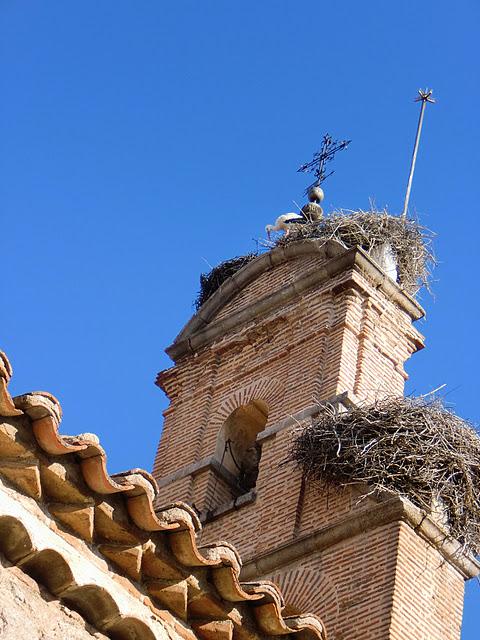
<point x="312" y="321"/>
<point x="241" y="299"/>
<point x="306" y="322"/>
<point x="323" y="318"/>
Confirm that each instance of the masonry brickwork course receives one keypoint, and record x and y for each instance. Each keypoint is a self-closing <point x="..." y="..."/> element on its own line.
<point x="307" y="323"/>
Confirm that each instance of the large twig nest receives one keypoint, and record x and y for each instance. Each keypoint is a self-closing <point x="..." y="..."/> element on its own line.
<point x="210" y="282"/>
<point x="412" y="447"/>
<point x="410" y="242"/>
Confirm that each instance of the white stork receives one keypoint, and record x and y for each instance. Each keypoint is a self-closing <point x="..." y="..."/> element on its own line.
<point x="284" y="222"/>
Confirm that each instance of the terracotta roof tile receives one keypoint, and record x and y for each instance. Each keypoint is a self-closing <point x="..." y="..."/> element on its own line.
<point x="115" y="516"/>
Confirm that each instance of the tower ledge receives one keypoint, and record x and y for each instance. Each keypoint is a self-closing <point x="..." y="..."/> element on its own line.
<point x="389" y="509"/>
<point x="334" y="259"/>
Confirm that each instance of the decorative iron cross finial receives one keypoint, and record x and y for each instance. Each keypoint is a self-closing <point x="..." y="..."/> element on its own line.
<point x="424" y="96"/>
<point x="320" y="159"/>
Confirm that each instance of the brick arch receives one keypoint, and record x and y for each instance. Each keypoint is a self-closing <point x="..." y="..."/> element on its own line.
<point x="266" y="389"/>
<point x="309" y="589"/>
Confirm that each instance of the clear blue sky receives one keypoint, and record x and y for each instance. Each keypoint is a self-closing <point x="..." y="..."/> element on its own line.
<point x="141" y="139"/>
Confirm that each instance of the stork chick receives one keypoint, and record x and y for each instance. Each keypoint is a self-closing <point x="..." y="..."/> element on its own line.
<point x="284" y="222"/>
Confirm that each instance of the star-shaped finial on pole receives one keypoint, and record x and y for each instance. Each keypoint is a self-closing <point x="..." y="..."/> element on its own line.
<point x="425" y="95"/>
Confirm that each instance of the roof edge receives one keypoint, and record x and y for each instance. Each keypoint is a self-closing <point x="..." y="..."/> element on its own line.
<point x="37" y="416"/>
<point x="201" y="330"/>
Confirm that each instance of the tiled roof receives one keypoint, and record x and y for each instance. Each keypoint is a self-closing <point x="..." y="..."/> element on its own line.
<point x="193" y="590"/>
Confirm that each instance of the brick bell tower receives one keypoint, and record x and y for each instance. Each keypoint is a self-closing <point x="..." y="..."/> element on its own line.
<point x="302" y="324"/>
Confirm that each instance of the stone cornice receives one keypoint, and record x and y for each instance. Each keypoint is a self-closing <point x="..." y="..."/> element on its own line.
<point x="394" y="509"/>
<point x="203" y="329"/>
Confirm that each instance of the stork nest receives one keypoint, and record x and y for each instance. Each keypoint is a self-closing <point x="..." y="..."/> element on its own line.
<point x="410" y="242"/>
<point x="210" y="282"/>
<point x="411" y="447"/>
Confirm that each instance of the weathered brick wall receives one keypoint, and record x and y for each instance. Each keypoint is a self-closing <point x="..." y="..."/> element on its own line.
<point x="357" y="608"/>
<point x="286" y="508"/>
<point x="400" y="588"/>
<point x="428" y="596"/>
<point x="343" y="335"/>
<point x="280" y="276"/>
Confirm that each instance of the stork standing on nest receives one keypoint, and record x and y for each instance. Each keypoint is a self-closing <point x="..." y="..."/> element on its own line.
<point x="311" y="212"/>
<point x="284" y="222"/>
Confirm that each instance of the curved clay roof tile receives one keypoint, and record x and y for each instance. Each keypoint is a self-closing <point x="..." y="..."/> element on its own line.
<point x="141" y="560"/>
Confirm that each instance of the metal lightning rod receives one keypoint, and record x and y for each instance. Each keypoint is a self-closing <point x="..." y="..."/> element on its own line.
<point x="423" y="97"/>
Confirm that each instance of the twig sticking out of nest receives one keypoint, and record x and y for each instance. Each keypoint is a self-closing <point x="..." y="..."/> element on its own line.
<point x="210" y="282"/>
<point x="410" y="242"/>
<point x="412" y="447"/>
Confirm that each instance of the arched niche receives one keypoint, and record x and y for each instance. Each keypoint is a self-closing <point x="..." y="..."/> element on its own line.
<point x="237" y="448"/>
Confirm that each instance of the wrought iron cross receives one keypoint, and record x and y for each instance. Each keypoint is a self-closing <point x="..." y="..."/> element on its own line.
<point x="320" y="158"/>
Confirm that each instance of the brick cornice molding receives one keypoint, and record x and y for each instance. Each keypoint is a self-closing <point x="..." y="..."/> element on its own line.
<point x="395" y="509"/>
<point x="203" y="329"/>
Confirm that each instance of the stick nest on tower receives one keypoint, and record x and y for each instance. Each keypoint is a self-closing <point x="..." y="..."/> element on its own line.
<point x="411" y="245"/>
<point x="210" y="282"/>
<point x="411" y="447"/>
<point x="410" y="242"/>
